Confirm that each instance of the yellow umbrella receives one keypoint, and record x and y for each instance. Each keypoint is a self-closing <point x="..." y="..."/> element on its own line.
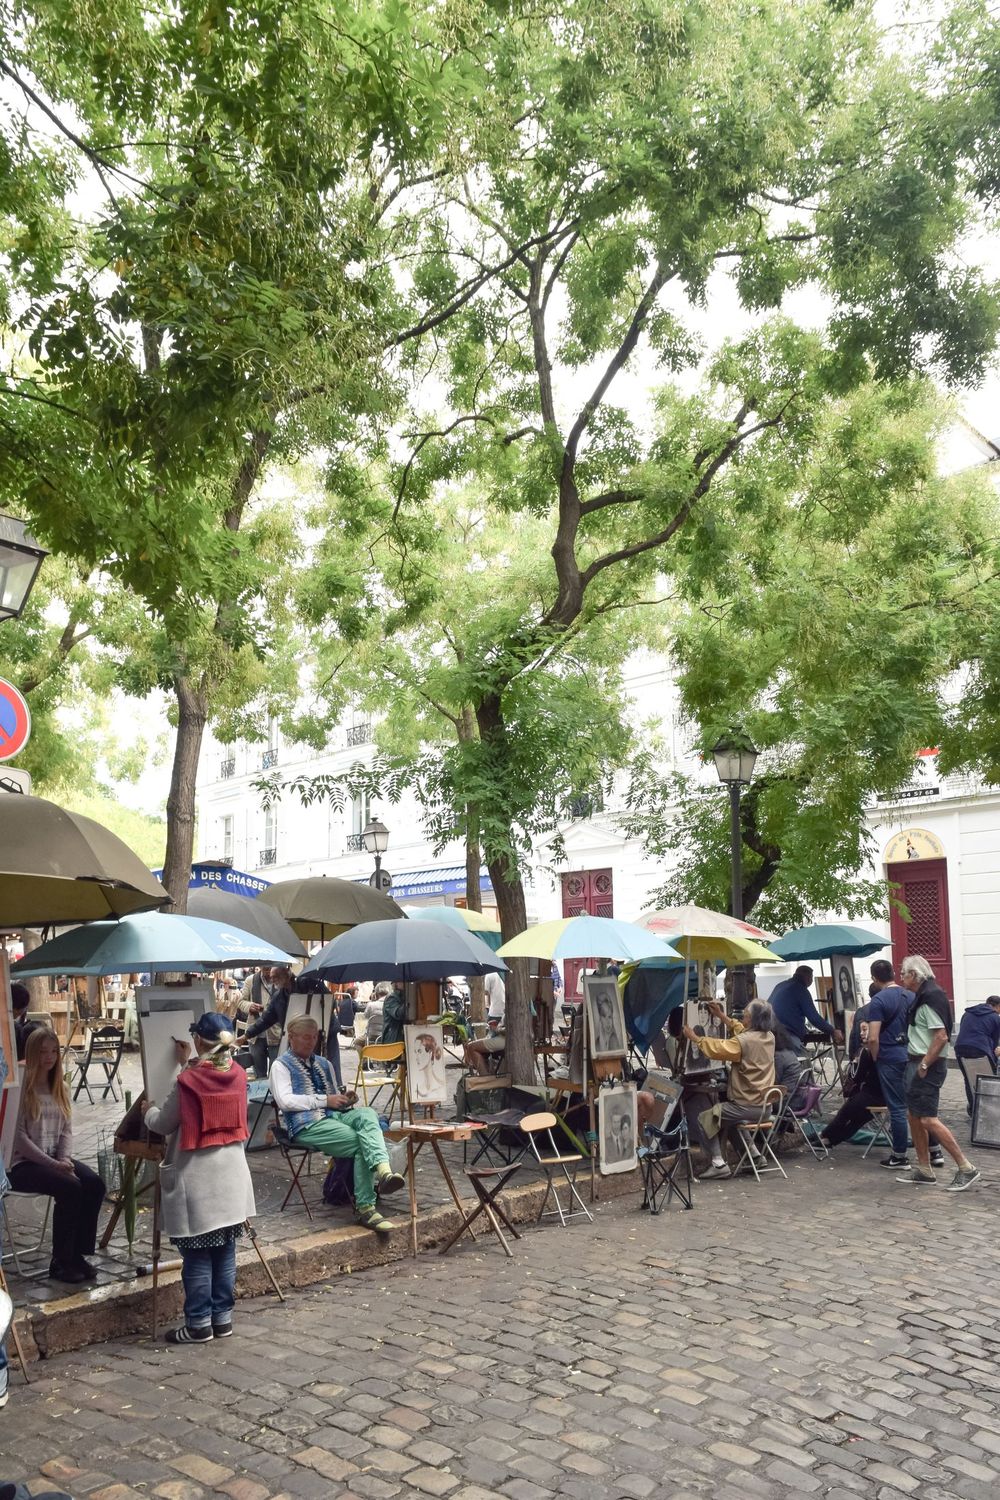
<point x="725" y="950"/>
<point x="585" y="936"/>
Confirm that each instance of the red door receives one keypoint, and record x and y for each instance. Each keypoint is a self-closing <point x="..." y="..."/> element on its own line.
<point x="590" y="891"/>
<point x="922" y="886"/>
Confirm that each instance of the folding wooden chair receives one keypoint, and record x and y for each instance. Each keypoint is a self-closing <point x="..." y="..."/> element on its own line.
<point x="542" y="1125"/>
<point x="755" y="1138"/>
<point x="104" y="1051"/>
<point x="383" y="1052"/>
<point x="487" y="1184"/>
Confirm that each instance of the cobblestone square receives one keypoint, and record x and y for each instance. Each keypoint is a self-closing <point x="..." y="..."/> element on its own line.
<point x="834" y="1334"/>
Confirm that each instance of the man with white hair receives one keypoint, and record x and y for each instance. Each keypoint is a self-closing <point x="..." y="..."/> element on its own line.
<point x="317" y="1114"/>
<point x="929" y="1032"/>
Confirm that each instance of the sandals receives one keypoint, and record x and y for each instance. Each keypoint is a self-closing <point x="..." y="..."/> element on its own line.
<point x="370" y="1218"/>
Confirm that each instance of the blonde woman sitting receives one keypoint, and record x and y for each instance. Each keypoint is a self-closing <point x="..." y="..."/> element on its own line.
<point x="42" y="1160"/>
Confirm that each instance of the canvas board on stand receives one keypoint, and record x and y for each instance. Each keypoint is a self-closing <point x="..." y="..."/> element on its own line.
<point x="160" y="1065"/>
<point x="426" y="1064"/>
<point x="700" y="1019"/>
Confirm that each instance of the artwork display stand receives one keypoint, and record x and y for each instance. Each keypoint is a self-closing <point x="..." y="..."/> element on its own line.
<point x="595" y="1072"/>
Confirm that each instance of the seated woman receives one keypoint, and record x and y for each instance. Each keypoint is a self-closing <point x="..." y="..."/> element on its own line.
<point x="42" y="1161"/>
<point x="749" y="1051"/>
<point x="318" y="1115"/>
<point x="862" y="1091"/>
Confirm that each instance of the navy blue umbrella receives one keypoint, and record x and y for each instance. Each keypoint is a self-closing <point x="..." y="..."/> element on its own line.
<point x="409" y="950"/>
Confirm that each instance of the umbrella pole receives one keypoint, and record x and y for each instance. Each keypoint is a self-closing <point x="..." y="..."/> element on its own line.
<point x="156" y="1241"/>
<point x="589" y="1087"/>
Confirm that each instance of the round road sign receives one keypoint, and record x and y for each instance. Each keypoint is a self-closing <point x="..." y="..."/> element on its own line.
<point x="15" y="721"/>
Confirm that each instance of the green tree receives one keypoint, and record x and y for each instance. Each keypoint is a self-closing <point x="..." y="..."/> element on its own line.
<point x="835" y="638"/>
<point x="631" y="164"/>
<point x="219" y="311"/>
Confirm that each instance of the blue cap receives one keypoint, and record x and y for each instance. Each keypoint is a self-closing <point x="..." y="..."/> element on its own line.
<point x="211" y="1026"/>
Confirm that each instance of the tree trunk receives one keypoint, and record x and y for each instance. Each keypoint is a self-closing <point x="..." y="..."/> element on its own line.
<point x="509" y="892"/>
<point x="474" y="900"/>
<point x="38" y="988"/>
<point x="191" y="720"/>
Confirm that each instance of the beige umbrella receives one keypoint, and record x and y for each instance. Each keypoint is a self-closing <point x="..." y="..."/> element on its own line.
<point x="59" y="867"/>
<point x="322" y="906"/>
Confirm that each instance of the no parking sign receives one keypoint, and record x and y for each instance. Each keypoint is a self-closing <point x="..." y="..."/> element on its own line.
<point x="15" y="721"/>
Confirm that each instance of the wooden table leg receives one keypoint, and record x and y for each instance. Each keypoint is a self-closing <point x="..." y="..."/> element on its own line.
<point x="451" y="1186"/>
<point x="156" y="1243"/>
<point x="411" y="1169"/>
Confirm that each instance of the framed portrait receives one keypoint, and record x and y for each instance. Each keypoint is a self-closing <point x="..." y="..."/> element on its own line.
<point x="700" y="1019"/>
<point x="426" y="1076"/>
<point x="616" y="1128"/>
<point x="605" y="1017"/>
<point x="845" y="987"/>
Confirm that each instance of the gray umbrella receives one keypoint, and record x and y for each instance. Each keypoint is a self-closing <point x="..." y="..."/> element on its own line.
<point x="248" y="914"/>
<point x="403" y="950"/>
<point x="58" y="867"/>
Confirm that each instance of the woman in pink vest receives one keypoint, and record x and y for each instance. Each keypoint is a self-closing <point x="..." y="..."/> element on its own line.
<point x="205" y="1186"/>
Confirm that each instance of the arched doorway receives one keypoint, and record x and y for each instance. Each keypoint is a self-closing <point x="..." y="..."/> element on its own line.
<point x="916" y="866"/>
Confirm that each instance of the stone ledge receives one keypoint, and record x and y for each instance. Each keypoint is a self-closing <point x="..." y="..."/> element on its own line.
<point x="94" y="1316"/>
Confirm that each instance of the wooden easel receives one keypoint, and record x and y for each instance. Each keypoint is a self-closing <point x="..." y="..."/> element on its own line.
<point x="595" y="1072"/>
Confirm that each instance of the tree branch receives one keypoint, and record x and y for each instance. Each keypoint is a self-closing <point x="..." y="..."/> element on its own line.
<point x="612" y="497"/>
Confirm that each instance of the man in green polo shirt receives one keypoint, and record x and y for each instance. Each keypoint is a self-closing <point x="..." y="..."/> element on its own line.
<point x="930" y="1025"/>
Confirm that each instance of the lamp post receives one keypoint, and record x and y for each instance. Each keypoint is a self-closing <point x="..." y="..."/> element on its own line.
<point x="734" y="760"/>
<point x="376" y="840"/>
<point x="20" y="559"/>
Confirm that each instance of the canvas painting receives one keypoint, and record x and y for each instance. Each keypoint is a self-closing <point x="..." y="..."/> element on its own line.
<point x="845" y="990"/>
<point x="616" y="1128"/>
<point x="426" y="1075"/>
<point x="160" y="1066"/>
<point x="606" y="1036"/>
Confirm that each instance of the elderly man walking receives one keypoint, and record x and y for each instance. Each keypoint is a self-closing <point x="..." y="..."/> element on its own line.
<point x="317" y="1114"/>
<point x="929" y="1032"/>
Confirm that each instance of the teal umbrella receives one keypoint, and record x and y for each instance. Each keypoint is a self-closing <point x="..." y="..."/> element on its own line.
<point x="826" y="938"/>
<point x="147" y="941"/>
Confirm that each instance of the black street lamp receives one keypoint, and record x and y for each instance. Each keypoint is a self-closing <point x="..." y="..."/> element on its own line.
<point x="734" y="760"/>
<point x="375" y="838"/>
<point x="20" y="559"/>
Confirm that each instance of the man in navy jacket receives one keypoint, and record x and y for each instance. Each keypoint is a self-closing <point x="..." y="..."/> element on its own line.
<point x="794" y="1007"/>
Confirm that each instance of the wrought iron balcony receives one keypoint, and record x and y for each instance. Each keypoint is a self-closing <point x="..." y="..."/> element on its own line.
<point x="586" y="805"/>
<point x="227" y="769"/>
<point x="360" y="734"/>
<point x="268" y="759"/>
<point x="355" y="843"/>
<point x="268" y="856"/>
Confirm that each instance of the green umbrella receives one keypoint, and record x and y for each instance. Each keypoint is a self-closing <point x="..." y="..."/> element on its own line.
<point x="824" y="939"/>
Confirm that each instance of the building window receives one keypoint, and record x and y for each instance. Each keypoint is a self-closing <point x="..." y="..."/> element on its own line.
<point x="361" y="814"/>
<point x="360" y="734"/>
<point x="227" y="837"/>
<point x="227" y="768"/>
<point x="587" y="804"/>
<point x="269" y="755"/>
<point x="269" y="853"/>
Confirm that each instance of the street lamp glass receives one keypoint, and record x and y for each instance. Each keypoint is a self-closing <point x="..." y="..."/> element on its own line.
<point x="734" y="761"/>
<point x="20" y="559"/>
<point x="375" y="837"/>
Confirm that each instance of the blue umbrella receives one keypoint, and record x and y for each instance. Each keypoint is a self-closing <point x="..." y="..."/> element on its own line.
<point x="403" y="950"/>
<point x="147" y="940"/>
<point x="824" y="939"/>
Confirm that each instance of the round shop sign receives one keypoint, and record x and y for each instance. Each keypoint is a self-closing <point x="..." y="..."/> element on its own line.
<point x="15" y="721"/>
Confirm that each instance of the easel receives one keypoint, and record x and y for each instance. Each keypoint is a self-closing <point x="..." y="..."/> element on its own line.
<point x="595" y="1072"/>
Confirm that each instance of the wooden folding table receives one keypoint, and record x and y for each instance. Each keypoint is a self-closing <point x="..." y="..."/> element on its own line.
<point x="417" y="1134"/>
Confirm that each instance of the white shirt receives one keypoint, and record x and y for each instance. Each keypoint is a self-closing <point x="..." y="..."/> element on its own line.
<point x="496" y="996"/>
<point x="284" y="1095"/>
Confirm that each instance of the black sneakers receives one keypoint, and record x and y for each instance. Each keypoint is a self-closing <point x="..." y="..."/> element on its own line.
<point x="895" y="1161"/>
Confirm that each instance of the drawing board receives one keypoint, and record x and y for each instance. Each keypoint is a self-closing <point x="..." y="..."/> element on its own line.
<point x="159" y="1055"/>
<point x="426" y="1064"/>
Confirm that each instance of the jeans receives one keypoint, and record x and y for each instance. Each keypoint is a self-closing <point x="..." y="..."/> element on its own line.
<point x="850" y="1117"/>
<point x="892" y="1077"/>
<point x="209" y="1278"/>
<point x="77" y="1197"/>
<point x="351" y="1132"/>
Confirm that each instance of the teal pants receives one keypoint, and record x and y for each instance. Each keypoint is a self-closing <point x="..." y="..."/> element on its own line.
<point x="351" y="1132"/>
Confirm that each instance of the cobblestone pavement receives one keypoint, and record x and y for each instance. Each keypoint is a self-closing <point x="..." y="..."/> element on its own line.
<point x="835" y="1335"/>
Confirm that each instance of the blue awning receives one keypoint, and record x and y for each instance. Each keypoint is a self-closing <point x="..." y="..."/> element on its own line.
<point x="223" y="878"/>
<point x="446" y="881"/>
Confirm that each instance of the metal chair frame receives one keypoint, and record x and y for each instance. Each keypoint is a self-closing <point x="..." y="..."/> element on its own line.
<point x="287" y="1147"/>
<point x="542" y="1124"/>
<point x="671" y="1143"/>
<point x="99" y="1054"/>
<point x="799" y="1118"/>
<point x="880" y="1119"/>
<point x="15" y="1254"/>
<point x="757" y="1134"/>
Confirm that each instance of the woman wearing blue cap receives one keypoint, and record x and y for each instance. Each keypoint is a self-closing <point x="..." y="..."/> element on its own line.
<point x="205" y="1186"/>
